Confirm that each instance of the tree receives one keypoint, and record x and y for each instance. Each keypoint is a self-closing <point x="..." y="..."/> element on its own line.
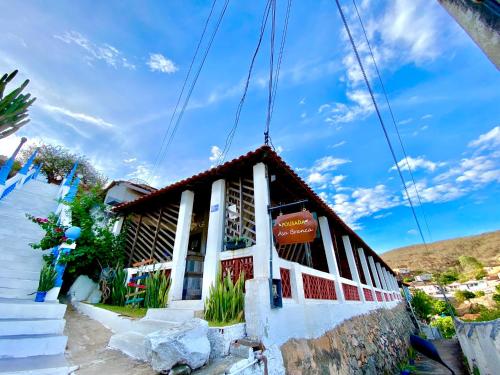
<point x="446" y="277"/>
<point x="13" y="107"/>
<point x="58" y="161"/>
<point x="440" y="307"/>
<point x="422" y="304"/>
<point x="471" y="268"/>
<point x="445" y="326"/>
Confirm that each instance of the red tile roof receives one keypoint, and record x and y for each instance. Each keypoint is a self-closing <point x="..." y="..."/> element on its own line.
<point x="263" y="153"/>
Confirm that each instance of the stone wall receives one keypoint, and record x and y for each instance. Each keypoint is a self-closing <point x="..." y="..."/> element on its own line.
<point x="373" y="343"/>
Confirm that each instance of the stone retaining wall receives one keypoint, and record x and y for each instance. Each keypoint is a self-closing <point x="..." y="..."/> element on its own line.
<point x="373" y="343"/>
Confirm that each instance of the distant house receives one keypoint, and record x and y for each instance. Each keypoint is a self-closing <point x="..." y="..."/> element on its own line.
<point x="486" y="286"/>
<point x="119" y="192"/>
<point x="423" y="277"/>
<point x="402" y="271"/>
<point x="431" y="289"/>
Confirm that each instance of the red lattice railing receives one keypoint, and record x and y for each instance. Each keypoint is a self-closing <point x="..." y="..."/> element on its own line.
<point x="368" y="294"/>
<point x="379" y="296"/>
<point x="286" y="287"/>
<point x="235" y="266"/>
<point x="318" y="288"/>
<point x="351" y="292"/>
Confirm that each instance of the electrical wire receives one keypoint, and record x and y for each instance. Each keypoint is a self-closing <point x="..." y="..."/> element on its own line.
<point x="195" y="79"/>
<point x="271" y="71"/>
<point x="230" y="136"/>
<point x="370" y="91"/>
<point x="393" y="119"/>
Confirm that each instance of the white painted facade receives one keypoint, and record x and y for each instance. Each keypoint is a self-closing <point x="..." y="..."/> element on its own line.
<point x="300" y="316"/>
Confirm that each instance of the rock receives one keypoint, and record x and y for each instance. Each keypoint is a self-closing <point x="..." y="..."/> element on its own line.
<point x="81" y="289"/>
<point x="95" y="296"/>
<point x="185" y="344"/>
<point x="180" y="370"/>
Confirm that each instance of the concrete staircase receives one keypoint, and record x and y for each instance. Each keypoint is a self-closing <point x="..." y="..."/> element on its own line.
<point x="31" y="340"/>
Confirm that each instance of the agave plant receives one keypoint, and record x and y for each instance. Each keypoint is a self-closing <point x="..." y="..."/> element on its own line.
<point x="47" y="278"/>
<point x="157" y="287"/>
<point x="226" y="300"/>
<point x="118" y="286"/>
<point x="13" y="106"/>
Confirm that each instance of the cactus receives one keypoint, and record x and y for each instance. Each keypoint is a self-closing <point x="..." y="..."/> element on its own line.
<point x="13" y="107"/>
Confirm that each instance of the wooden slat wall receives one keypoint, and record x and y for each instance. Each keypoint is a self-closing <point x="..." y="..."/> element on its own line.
<point x="152" y="235"/>
<point x="239" y="193"/>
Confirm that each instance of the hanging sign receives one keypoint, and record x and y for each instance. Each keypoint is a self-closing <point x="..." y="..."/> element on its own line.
<point x="299" y="227"/>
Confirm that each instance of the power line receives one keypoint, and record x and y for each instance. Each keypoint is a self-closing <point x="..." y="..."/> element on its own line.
<point x="230" y="136"/>
<point x="271" y="71"/>
<point x="160" y="151"/>
<point x="195" y="80"/>
<point x="393" y="118"/>
<point x="346" y="26"/>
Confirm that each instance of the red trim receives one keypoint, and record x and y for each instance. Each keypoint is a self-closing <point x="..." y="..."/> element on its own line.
<point x="351" y="292"/>
<point x="235" y="266"/>
<point x="368" y="294"/>
<point x="286" y="287"/>
<point x="318" y="288"/>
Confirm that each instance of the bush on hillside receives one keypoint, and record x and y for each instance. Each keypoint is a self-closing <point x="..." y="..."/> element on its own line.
<point x="422" y="304"/>
<point x="445" y="326"/>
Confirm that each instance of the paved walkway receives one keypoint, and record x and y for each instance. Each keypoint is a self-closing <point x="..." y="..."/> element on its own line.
<point x="87" y="348"/>
<point x="450" y="352"/>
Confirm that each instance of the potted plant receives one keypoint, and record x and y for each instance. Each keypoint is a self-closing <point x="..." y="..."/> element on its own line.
<point x="406" y="368"/>
<point x="236" y="242"/>
<point x="412" y="355"/>
<point x="47" y="278"/>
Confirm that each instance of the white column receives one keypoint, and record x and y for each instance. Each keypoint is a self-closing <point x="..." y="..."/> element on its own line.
<point x="382" y="276"/>
<point x="374" y="271"/>
<point x="262" y="230"/>
<point x="117" y="226"/>
<point x="181" y="245"/>
<point x="366" y="271"/>
<point x="297" y="284"/>
<point x="333" y="267"/>
<point x="215" y="236"/>
<point x="352" y="266"/>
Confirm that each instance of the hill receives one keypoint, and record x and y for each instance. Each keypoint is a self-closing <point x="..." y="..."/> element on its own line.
<point x="440" y="255"/>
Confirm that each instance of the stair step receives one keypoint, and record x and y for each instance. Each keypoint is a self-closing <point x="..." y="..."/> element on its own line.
<point x="21" y="274"/>
<point x="29" y="309"/>
<point x="31" y="345"/>
<point x="7" y="282"/>
<point x="13" y="327"/>
<point x="37" y="365"/>
<point x="17" y="293"/>
<point x="130" y="343"/>
<point x="20" y="259"/>
<point x="170" y="314"/>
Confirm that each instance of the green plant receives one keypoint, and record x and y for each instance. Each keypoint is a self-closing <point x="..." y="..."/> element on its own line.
<point x="463" y="295"/>
<point x="13" y="107"/>
<point x="405" y="366"/>
<point x="445" y="326"/>
<point x="157" y="287"/>
<point x="440" y="307"/>
<point x="412" y="353"/>
<point x="422" y="304"/>
<point x="226" y="300"/>
<point x="118" y="287"/>
<point x="480" y="293"/>
<point x="47" y="278"/>
<point x="54" y="233"/>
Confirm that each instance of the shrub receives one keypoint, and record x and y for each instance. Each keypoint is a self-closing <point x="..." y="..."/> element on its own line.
<point x="157" y="287"/>
<point x="445" y="326"/>
<point x="118" y="287"/>
<point x="47" y="278"/>
<point x="54" y="233"/>
<point x="226" y="300"/>
<point x="440" y="307"/>
<point x="480" y="294"/>
<point x="422" y="304"/>
<point x="463" y="295"/>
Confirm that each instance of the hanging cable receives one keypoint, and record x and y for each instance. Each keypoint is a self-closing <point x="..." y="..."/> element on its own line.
<point x="195" y="80"/>
<point x="160" y="151"/>
<point x="230" y="136"/>
<point x="348" y="31"/>
<point x="271" y="71"/>
<point x="393" y="118"/>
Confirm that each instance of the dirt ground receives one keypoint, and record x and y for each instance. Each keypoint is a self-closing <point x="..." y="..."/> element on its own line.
<point x="87" y="348"/>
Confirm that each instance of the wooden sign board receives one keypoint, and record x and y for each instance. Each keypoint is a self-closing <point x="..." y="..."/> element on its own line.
<point x="299" y="227"/>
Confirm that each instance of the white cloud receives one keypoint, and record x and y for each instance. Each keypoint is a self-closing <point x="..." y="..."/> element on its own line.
<point x="489" y="140"/>
<point x="328" y="163"/>
<point x="215" y="154"/>
<point x="406" y="121"/>
<point x="158" y="62"/>
<point x="323" y="107"/>
<point x="417" y="163"/>
<point x="426" y="117"/>
<point x="83" y="117"/>
<point x="302" y="101"/>
<point x="316" y="178"/>
<point x="413" y="232"/>
<point x="105" y="52"/>
<point x="130" y="161"/>
<point x="338" y="179"/>
<point x="338" y="144"/>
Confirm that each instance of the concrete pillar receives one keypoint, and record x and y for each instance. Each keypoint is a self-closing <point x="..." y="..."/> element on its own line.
<point x="297" y="284"/>
<point x="374" y="272"/>
<point x="352" y="266"/>
<point x="381" y="275"/>
<point x="333" y="267"/>
<point x="366" y="271"/>
<point x="215" y="236"/>
<point x="181" y="245"/>
<point x="263" y="234"/>
<point x="117" y="226"/>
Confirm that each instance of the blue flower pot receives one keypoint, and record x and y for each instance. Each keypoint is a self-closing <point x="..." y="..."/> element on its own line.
<point x="40" y="296"/>
<point x="405" y="372"/>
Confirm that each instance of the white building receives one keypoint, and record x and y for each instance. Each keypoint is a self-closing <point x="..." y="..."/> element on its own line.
<point x="423" y="277"/>
<point x="188" y="228"/>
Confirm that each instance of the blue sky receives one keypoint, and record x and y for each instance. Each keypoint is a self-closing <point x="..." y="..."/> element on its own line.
<point x="107" y="76"/>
